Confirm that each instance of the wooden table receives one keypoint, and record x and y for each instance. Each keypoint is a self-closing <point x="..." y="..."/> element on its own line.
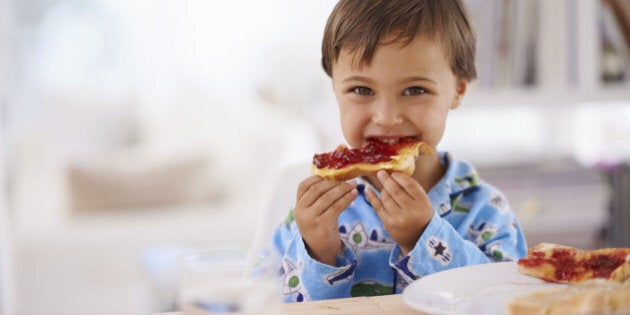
<point x="386" y="304"/>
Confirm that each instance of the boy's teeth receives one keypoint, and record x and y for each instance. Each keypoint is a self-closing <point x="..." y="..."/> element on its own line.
<point x="390" y="140"/>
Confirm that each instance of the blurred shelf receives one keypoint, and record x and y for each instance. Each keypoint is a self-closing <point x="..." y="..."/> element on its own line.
<point x="537" y="97"/>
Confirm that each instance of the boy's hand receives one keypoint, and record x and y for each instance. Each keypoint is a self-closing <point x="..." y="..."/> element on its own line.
<point x="404" y="208"/>
<point x="319" y="204"/>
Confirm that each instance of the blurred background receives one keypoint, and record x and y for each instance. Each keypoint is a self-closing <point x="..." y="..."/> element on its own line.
<point x="133" y="131"/>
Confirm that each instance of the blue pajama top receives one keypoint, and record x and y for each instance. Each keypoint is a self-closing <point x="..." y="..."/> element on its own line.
<point x="473" y="224"/>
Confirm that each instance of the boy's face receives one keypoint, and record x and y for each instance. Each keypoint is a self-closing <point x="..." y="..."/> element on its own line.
<point x="406" y="91"/>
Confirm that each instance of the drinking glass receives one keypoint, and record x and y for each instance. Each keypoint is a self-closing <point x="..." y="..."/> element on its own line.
<point x="220" y="280"/>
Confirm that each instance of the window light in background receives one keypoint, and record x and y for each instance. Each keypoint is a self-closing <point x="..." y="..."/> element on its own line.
<point x="601" y="132"/>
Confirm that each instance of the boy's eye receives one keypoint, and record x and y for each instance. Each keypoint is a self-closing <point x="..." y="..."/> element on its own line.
<point x="362" y="90"/>
<point x="414" y="90"/>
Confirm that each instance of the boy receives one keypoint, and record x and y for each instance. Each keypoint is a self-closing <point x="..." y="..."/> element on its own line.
<point x="397" y="68"/>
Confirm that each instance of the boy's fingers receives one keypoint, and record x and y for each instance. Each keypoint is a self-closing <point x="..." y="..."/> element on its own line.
<point x="341" y="204"/>
<point x="388" y="201"/>
<point x="410" y="186"/>
<point x="306" y="184"/>
<point x="373" y="199"/>
<point x="411" y="191"/>
<point x="375" y="202"/>
<point x="331" y="197"/>
<point x="389" y="191"/>
<point x="316" y="192"/>
<point x="390" y="184"/>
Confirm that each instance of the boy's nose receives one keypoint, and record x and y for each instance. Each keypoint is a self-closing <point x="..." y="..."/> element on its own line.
<point x="387" y="114"/>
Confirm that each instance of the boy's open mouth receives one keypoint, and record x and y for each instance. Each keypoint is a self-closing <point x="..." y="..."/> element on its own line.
<point x="391" y="140"/>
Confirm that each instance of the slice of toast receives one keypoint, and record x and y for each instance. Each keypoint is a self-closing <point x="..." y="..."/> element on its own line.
<point x="404" y="161"/>
<point x="597" y="296"/>
<point x="564" y="264"/>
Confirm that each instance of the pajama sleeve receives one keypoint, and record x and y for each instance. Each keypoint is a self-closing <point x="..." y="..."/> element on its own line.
<point x="306" y="279"/>
<point x="487" y="231"/>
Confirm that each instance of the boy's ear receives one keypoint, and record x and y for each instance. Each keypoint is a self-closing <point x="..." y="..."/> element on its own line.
<point x="460" y="90"/>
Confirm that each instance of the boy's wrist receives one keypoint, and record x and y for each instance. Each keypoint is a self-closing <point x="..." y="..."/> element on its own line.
<point x="330" y="260"/>
<point x="405" y="250"/>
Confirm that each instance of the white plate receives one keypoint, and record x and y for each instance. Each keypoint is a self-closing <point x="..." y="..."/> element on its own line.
<point x="478" y="289"/>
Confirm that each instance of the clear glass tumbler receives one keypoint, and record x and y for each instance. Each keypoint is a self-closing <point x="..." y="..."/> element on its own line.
<point x="220" y="280"/>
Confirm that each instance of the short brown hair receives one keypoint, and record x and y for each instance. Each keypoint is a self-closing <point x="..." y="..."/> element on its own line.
<point x="361" y="25"/>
